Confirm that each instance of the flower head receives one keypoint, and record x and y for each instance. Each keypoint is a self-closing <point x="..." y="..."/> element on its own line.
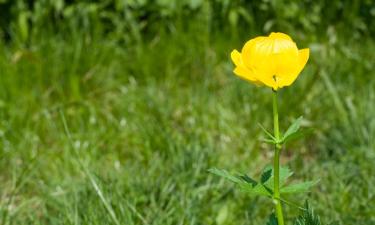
<point x="274" y="61"/>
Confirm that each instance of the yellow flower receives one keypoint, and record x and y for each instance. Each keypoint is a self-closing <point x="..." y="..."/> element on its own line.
<point x="274" y="61"/>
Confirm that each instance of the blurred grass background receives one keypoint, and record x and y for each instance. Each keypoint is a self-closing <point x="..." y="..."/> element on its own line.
<point x="149" y="97"/>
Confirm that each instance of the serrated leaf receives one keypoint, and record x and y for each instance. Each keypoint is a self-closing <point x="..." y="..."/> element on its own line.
<point x="266" y="175"/>
<point x="298" y="188"/>
<point x="257" y="190"/>
<point x="248" y="179"/>
<point x="225" y="174"/>
<point x="285" y="173"/>
<point x="298" y="135"/>
<point x="308" y="217"/>
<point x="245" y="183"/>
<point x="293" y="128"/>
<point x="267" y="133"/>
<point x="272" y="220"/>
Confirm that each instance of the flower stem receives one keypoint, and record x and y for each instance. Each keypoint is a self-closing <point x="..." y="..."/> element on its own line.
<point x="276" y="163"/>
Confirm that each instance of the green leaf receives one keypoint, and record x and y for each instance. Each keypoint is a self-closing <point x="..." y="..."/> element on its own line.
<point x="272" y="138"/>
<point x="266" y="175"/>
<point x="245" y="183"/>
<point x="285" y="173"/>
<point x="272" y="220"/>
<point x="265" y="186"/>
<point x="308" y="217"/>
<point x="256" y="190"/>
<point x="298" y="135"/>
<point x="292" y="130"/>
<point x="249" y="180"/>
<point x="225" y="174"/>
<point x="298" y="188"/>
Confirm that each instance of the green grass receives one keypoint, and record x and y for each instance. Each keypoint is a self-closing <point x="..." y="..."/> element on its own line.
<point x="147" y="121"/>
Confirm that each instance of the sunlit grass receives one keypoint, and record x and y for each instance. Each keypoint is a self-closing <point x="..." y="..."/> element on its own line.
<point x="148" y="122"/>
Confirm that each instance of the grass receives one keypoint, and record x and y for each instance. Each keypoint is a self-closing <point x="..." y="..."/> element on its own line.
<point x="146" y="122"/>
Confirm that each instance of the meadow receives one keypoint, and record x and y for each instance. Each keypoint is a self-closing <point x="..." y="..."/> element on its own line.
<point x="116" y="118"/>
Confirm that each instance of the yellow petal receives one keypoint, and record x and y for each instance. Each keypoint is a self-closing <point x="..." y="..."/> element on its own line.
<point x="241" y="70"/>
<point x="287" y="62"/>
<point x="279" y="35"/>
<point x="303" y="56"/>
<point x="251" y="51"/>
<point x="265" y="78"/>
<point x="249" y="44"/>
<point x="244" y="73"/>
<point x="247" y="75"/>
<point x="258" y="53"/>
<point x="285" y="47"/>
<point x="236" y="57"/>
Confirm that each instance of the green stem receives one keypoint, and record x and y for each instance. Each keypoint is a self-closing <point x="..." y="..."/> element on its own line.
<point x="276" y="163"/>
